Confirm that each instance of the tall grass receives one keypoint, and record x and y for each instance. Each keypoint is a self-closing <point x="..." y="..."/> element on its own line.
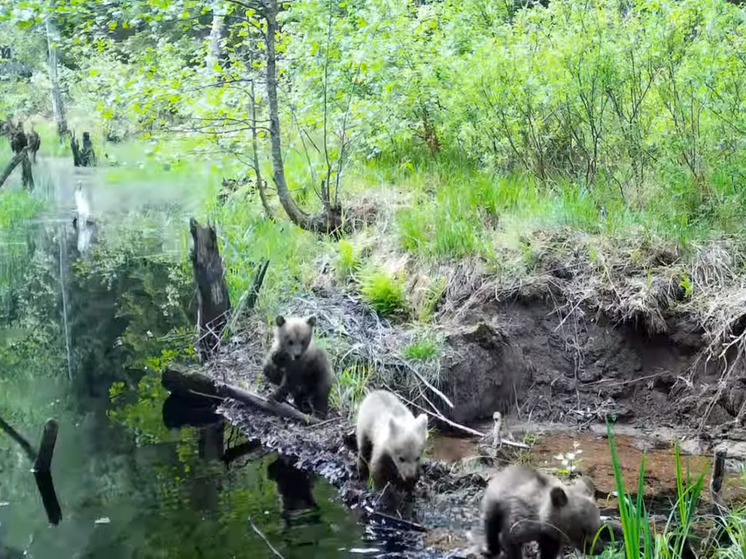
<point x="640" y="538"/>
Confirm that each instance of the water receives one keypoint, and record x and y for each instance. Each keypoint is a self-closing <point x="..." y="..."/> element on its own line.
<point x="83" y="334"/>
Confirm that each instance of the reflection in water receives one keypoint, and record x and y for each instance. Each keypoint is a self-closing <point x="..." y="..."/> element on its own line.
<point x="296" y="490"/>
<point x="137" y="474"/>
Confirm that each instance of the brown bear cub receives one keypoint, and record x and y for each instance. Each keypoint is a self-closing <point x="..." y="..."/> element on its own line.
<point x="298" y="367"/>
<point x="521" y="505"/>
<point x="390" y="440"/>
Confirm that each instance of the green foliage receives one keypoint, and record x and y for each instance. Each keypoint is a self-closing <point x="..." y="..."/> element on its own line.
<point x="347" y="261"/>
<point x="384" y="294"/>
<point x="349" y="388"/>
<point x="640" y="540"/>
<point x="425" y="348"/>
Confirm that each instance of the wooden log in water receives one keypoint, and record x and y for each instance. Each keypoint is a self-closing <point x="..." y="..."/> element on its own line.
<point x="180" y="381"/>
<point x="48" y="496"/>
<point x="17" y="158"/>
<point x="43" y="461"/>
<point x="212" y="292"/>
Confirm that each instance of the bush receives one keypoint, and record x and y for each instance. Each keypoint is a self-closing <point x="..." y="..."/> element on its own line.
<point x="384" y="294"/>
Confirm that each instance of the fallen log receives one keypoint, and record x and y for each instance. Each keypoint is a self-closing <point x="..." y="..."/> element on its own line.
<point x="182" y="382"/>
<point x="17" y="158"/>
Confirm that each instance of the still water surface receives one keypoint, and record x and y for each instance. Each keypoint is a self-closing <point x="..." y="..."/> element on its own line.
<point x="82" y="337"/>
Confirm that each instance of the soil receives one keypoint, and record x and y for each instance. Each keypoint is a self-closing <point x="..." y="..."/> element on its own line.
<point x="523" y="358"/>
<point x="530" y="362"/>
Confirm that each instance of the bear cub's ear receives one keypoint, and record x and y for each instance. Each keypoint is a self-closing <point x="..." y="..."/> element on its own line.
<point x="559" y="497"/>
<point x="280" y="321"/>
<point x="420" y="424"/>
<point x="311" y="321"/>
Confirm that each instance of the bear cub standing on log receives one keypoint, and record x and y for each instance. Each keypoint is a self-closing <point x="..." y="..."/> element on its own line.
<point x="390" y="440"/>
<point x="521" y="505"/>
<point x="298" y="366"/>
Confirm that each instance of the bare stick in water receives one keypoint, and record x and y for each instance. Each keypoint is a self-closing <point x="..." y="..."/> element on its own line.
<point x="264" y="538"/>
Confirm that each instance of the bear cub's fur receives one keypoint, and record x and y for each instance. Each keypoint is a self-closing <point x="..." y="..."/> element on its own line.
<point x="390" y="440"/>
<point x="521" y="505"/>
<point x="298" y="367"/>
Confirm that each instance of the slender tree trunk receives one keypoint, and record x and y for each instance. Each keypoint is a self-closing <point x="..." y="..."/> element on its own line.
<point x="57" y="105"/>
<point x="255" y="148"/>
<point x="216" y="34"/>
<point x="329" y="221"/>
<point x="297" y="215"/>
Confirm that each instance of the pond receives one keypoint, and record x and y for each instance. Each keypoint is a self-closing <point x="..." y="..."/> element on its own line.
<point x="83" y="336"/>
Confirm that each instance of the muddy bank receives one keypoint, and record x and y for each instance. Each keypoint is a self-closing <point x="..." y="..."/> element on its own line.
<point x="521" y="357"/>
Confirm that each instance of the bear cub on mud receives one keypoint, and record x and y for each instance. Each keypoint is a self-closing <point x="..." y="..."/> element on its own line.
<point x="298" y="367"/>
<point x="390" y="440"/>
<point x="521" y="505"/>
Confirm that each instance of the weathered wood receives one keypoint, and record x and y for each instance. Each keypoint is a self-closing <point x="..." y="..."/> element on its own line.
<point x="46" y="447"/>
<point x="27" y="176"/>
<point x="716" y="481"/>
<point x="20" y="439"/>
<point x="34" y="143"/>
<point x="17" y="158"/>
<point x="212" y="292"/>
<point x="257" y="285"/>
<point x="84" y="156"/>
<point x="180" y="410"/>
<point x="48" y="496"/>
<point x="179" y="381"/>
<point x="41" y="465"/>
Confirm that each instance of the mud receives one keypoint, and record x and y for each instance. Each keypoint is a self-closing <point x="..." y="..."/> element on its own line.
<point x="559" y="375"/>
<point x="527" y="359"/>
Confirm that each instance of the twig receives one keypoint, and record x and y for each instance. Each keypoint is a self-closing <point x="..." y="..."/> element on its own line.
<point x="430" y="386"/>
<point x="445" y="419"/>
<point x="264" y="538"/>
<point x="332" y="420"/>
<point x="17" y="437"/>
<point x="400" y="521"/>
<point x="716" y="480"/>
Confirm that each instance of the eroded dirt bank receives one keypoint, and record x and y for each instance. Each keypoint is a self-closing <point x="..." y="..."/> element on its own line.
<point x="556" y="377"/>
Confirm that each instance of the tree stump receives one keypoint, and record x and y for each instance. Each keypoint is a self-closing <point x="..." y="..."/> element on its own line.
<point x="212" y="293"/>
<point x="84" y="156"/>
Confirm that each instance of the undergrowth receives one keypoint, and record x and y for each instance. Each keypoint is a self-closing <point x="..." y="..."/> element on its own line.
<point x="641" y="537"/>
<point x="384" y="293"/>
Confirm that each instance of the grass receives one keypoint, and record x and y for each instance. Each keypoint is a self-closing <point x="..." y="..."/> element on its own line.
<point x="349" y="388"/>
<point x="640" y="538"/>
<point x="424" y="349"/>
<point x="383" y="293"/>
<point x="347" y="261"/>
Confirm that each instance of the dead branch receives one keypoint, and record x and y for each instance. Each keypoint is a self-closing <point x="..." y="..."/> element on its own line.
<point x="20" y="439"/>
<point x="179" y="381"/>
<point x="264" y="539"/>
<point x="17" y="158"/>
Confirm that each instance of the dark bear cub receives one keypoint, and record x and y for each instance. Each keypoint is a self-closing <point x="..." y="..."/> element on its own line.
<point x="298" y="367"/>
<point x="521" y="505"/>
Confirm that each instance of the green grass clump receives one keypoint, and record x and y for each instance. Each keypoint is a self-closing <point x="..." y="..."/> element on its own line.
<point x="424" y="349"/>
<point x="383" y="293"/>
<point x="349" y="388"/>
<point x="640" y="539"/>
<point x="347" y="261"/>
